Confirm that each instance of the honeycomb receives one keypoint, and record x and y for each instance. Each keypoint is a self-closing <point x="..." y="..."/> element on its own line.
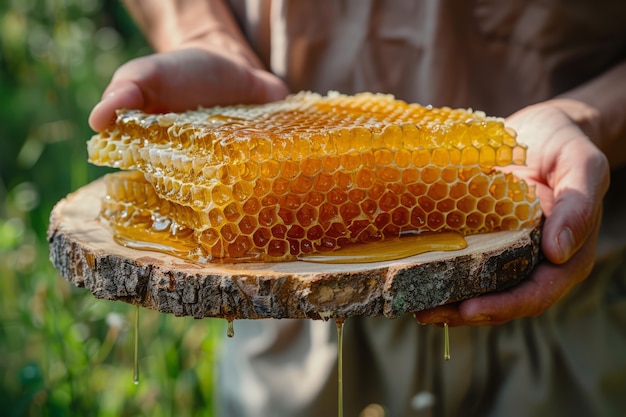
<point x="307" y="174"/>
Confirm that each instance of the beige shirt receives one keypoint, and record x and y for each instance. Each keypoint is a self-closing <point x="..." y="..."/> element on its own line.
<point x="485" y="54"/>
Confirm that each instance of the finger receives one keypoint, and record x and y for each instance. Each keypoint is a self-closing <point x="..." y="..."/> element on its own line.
<point x="580" y="187"/>
<point x="126" y="95"/>
<point x="548" y="283"/>
<point x="448" y="313"/>
<point x="183" y="80"/>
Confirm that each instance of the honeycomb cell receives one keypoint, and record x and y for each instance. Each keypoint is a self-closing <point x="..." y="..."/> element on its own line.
<point x="357" y="195"/>
<point x="296" y="232"/>
<point x="331" y="163"/>
<point x="232" y="212"/>
<point x="311" y="166"/>
<point x="349" y="211"/>
<point x="466" y="204"/>
<point x="376" y="191"/>
<point x="440" y="157"/>
<point x="242" y="191"/>
<point x="262" y="187"/>
<point x="391" y="231"/>
<point x="302" y="184"/>
<point x="343" y="180"/>
<point x="369" y="207"/>
<point x="446" y="205"/>
<point x="337" y="230"/>
<point x="475" y="221"/>
<point x="438" y="190"/>
<point x="400" y="216"/>
<point x="323" y="182"/>
<point x="421" y="158"/>
<point x="280" y="186"/>
<point x="327" y="213"/>
<point x="410" y="176"/>
<point x="251" y="206"/>
<point x="418" y="218"/>
<point x="388" y="201"/>
<point x="261" y="237"/>
<point x="417" y="189"/>
<point x="306" y="215"/>
<point x="504" y="208"/>
<point x="402" y="158"/>
<point x="382" y="220"/>
<point x="455" y="220"/>
<point x="478" y="186"/>
<point x="315" y="198"/>
<point x="229" y="232"/>
<point x="449" y="174"/>
<point x="351" y="161"/>
<point x="216" y="217"/>
<point x="337" y="196"/>
<point x="486" y="204"/>
<point x="290" y="201"/>
<point x="408" y="200"/>
<point x="458" y="190"/>
<point x="279" y="231"/>
<point x="315" y="233"/>
<point x="277" y="248"/>
<point x="510" y="223"/>
<point x="498" y="188"/>
<point x="430" y="174"/>
<point x="247" y="225"/>
<point x="389" y="174"/>
<point x="522" y="212"/>
<point x="269" y="169"/>
<point x="435" y="221"/>
<point x="504" y="155"/>
<point x="426" y="203"/>
<point x="267" y="216"/>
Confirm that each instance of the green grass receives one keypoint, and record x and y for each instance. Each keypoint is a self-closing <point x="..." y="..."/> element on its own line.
<point x="62" y="352"/>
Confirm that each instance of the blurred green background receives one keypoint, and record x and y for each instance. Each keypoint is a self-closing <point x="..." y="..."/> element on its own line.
<point x="62" y="352"/>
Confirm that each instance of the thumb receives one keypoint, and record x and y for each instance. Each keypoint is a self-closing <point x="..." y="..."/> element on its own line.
<point x="122" y="95"/>
<point x="579" y="181"/>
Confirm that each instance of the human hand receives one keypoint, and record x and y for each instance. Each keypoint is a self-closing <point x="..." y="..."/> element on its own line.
<point x="571" y="176"/>
<point x="182" y="80"/>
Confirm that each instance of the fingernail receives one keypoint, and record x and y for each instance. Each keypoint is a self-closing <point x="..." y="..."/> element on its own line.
<point x="565" y="240"/>
<point x="109" y="95"/>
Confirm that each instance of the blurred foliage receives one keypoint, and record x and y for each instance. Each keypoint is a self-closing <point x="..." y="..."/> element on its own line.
<point x="62" y="352"/>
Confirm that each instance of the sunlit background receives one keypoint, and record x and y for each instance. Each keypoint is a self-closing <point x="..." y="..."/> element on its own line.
<point x="62" y="352"/>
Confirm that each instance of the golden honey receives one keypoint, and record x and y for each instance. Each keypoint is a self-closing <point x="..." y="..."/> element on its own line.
<point x="307" y="175"/>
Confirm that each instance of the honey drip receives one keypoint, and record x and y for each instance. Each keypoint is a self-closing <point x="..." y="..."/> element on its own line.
<point x="446" y="342"/>
<point x="136" y="352"/>
<point x="339" y="323"/>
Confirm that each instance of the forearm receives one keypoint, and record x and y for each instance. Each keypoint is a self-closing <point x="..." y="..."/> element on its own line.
<point x="176" y="24"/>
<point x="599" y="107"/>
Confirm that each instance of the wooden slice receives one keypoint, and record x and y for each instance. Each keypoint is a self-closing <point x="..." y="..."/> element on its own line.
<point x="84" y="252"/>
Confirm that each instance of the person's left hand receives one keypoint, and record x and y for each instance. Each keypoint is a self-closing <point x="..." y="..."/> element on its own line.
<point x="571" y="176"/>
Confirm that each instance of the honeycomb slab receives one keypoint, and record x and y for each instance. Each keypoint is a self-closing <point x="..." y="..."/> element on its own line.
<point x="307" y="174"/>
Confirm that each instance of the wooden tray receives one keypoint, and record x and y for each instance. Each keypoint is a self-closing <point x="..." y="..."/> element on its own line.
<point x="84" y="252"/>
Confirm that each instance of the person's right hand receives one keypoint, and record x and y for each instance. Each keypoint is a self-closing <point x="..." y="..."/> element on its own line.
<point x="183" y="80"/>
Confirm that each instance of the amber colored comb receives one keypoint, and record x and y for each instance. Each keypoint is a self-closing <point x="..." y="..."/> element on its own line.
<point x="307" y="174"/>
